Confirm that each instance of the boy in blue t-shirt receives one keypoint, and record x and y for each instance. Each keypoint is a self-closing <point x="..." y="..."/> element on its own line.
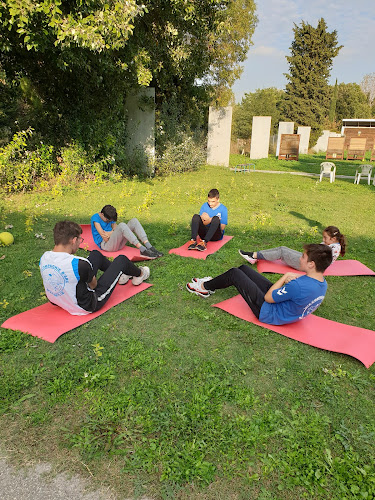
<point x="110" y="236"/>
<point x="210" y="223"/>
<point x="290" y="299"/>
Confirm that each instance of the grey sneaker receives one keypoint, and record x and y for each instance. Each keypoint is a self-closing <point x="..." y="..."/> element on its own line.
<point x="149" y="254"/>
<point x="124" y="278"/>
<point x="145" y="274"/>
<point x="156" y="252"/>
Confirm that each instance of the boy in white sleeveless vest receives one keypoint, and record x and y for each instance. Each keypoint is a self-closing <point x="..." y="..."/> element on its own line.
<point x="70" y="282"/>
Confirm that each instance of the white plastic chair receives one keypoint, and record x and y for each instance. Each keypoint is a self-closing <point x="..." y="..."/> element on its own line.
<point x="363" y="170"/>
<point x="328" y="168"/>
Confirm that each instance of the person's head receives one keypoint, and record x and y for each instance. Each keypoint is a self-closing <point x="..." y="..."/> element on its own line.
<point x="213" y="198"/>
<point x="110" y="213"/>
<point x="65" y="231"/>
<point x="331" y="234"/>
<point x="318" y="254"/>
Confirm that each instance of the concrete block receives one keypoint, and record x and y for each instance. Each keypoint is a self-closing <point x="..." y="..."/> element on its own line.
<point x="219" y="134"/>
<point x="260" y="137"/>
<point x="304" y="132"/>
<point x="140" y="109"/>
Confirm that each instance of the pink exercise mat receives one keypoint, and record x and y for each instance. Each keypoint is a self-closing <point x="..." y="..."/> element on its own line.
<point x="48" y="322"/>
<point x="315" y="331"/>
<point x="212" y="247"/>
<point x="131" y="253"/>
<point x="337" y="268"/>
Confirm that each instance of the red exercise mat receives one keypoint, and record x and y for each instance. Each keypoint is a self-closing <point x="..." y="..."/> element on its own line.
<point x="337" y="268"/>
<point x="212" y="247"/>
<point x="131" y="253"/>
<point x="315" y="331"/>
<point x="48" y="322"/>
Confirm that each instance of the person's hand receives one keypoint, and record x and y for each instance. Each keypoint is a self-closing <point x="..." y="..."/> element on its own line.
<point x="289" y="277"/>
<point x="106" y="236"/>
<point x="206" y="219"/>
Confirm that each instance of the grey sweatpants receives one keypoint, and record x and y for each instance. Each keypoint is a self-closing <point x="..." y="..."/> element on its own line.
<point x="287" y="255"/>
<point x="125" y="233"/>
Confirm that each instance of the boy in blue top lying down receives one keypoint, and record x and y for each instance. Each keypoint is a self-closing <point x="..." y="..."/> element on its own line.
<point x="210" y="223"/>
<point x="290" y="299"/>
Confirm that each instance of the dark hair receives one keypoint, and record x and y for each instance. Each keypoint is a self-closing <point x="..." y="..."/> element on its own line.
<point x="214" y="193"/>
<point x="320" y="254"/>
<point x="109" y="213"/>
<point x="334" y="232"/>
<point x="66" y="230"/>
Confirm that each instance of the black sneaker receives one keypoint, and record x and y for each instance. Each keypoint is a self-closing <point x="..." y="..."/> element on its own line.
<point x="202" y="246"/>
<point x="156" y="252"/>
<point x="149" y="254"/>
<point x="193" y="245"/>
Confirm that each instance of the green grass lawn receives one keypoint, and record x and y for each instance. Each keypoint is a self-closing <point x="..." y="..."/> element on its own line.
<point x="187" y="401"/>
<point x="306" y="163"/>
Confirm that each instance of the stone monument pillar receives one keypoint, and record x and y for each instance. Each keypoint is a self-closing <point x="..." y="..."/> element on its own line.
<point x="140" y="109"/>
<point x="260" y="137"/>
<point x="219" y="134"/>
<point x="304" y="132"/>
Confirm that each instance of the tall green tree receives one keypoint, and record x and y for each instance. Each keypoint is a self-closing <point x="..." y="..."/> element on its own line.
<point x="78" y="59"/>
<point x="332" y="106"/>
<point x="307" y="93"/>
<point x="352" y="102"/>
<point x="262" y="102"/>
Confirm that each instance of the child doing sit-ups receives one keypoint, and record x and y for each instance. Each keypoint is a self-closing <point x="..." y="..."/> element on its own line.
<point x="111" y="237"/>
<point x="331" y="237"/>
<point x="290" y="299"/>
<point x="210" y="223"/>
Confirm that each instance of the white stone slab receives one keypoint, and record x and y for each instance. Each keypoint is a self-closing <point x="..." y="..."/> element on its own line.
<point x="304" y="132"/>
<point x="218" y="137"/>
<point x="284" y="128"/>
<point x="260" y="137"/>
<point x="140" y="110"/>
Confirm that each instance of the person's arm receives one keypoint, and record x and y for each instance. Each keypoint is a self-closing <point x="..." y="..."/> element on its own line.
<point x="93" y="283"/>
<point x="279" y="283"/>
<point x="224" y="218"/>
<point x="86" y="273"/>
<point x="206" y="219"/>
<point x="104" y="234"/>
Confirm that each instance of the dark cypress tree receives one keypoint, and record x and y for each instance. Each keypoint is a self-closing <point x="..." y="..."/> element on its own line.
<point x="307" y="94"/>
<point x="332" y="106"/>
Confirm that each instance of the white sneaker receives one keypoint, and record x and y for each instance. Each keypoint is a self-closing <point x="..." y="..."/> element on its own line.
<point x="196" y="287"/>
<point x="201" y="280"/>
<point x="124" y="278"/>
<point x="248" y="256"/>
<point x="145" y="274"/>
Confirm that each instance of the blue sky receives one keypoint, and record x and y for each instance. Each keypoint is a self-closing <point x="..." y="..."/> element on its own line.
<point x="354" y="21"/>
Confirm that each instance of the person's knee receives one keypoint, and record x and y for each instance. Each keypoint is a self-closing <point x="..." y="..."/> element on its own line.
<point x="196" y="217"/>
<point x="95" y="254"/>
<point x="122" y="225"/>
<point x="215" y="221"/>
<point x="121" y="260"/>
<point x="133" y="221"/>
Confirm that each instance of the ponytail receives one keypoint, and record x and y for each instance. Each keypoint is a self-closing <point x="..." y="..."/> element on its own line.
<point x="334" y="232"/>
